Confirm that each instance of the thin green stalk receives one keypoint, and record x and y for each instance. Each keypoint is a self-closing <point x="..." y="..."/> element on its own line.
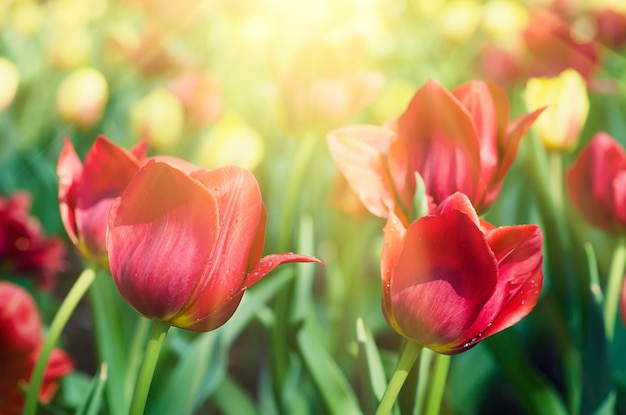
<point x="426" y="360"/>
<point x="136" y="352"/>
<point x="153" y="349"/>
<point x="614" y="287"/>
<point x="408" y="356"/>
<point x="437" y="383"/>
<point x="66" y="309"/>
<point x="556" y="179"/>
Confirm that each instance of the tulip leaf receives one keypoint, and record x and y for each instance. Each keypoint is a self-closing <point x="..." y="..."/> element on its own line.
<point x="596" y="359"/>
<point x="196" y="375"/>
<point x="231" y="399"/>
<point x="93" y="400"/>
<point x="332" y="385"/>
<point x="370" y="367"/>
<point x="533" y="390"/>
<point x="111" y="315"/>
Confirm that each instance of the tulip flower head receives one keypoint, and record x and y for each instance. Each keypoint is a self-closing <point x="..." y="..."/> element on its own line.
<point x="458" y="141"/>
<point x="87" y="190"/>
<point x="24" y="247"/>
<point x="20" y="341"/>
<point x="451" y="280"/>
<point x="597" y="183"/>
<point x="183" y="247"/>
<point x="567" y="107"/>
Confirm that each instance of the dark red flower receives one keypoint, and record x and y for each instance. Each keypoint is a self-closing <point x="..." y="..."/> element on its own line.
<point x="450" y="280"/>
<point x="597" y="183"/>
<point x="20" y="342"/>
<point x="24" y="248"/>
<point x="211" y="222"/>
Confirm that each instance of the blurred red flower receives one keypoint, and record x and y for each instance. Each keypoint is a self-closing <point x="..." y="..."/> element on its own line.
<point x="20" y="342"/>
<point x="211" y="222"/>
<point x="597" y="183"/>
<point x="451" y="280"/>
<point x="24" y="248"/>
<point x="458" y="141"/>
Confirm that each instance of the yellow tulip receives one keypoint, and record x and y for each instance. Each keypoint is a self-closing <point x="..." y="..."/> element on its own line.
<point x="158" y="118"/>
<point x="567" y="106"/>
<point x="9" y="81"/>
<point x="81" y="97"/>
<point x="231" y="142"/>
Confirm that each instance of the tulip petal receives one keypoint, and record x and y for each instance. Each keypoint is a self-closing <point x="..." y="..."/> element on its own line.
<point x="392" y="248"/>
<point x="359" y="152"/>
<point x="69" y="170"/>
<point x="162" y="231"/>
<point x="442" y="142"/>
<point x="518" y="250"/>
<point x="241" y="213"/>
<point x="461" y="203"/>
<point x="107" y="170"/>
<point x="270" y="262"/>
<point x="444" y="276"/>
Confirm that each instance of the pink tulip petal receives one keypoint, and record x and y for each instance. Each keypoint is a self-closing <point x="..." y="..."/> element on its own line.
<point x="458" y="202"/>
<point x="444" y="276"/>
<point x="359" y="152"/>
<point x="442" y="142"/>
<point x="107" y="170"/>
<point x="162" y="231"/>
<point x="518" y="250"/>
<point x="241" y="213"/>
<point x="270" y="262"/>
<point x="69" y="170"/>
<point x="392" y="248"/>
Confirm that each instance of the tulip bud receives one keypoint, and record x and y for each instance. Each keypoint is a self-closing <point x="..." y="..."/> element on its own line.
<point x="212" y="222"/>
<point x="450" y="280"/>
<point x="567" y="106"/>
<point x="70" y="47"/>
<point x="9" y="81"/>
<point x="159" y="119"/>
<point x="81" y="97"/>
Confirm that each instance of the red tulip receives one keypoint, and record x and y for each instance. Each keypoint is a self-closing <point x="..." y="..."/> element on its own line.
<point x="597" y="183"/>
<point x="20" y="342"/>
<point x="459" y="141"/>
<point x="183" y="247"/>
<point x="451" y="280"/>
<point x="24" y="248"/>
<point x="87" y="191"/>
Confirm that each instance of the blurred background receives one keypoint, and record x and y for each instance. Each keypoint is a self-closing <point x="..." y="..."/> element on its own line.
<point x="260" y="83"/>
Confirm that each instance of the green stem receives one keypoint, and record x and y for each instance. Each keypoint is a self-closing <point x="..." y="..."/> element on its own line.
<point x="136" y="351"/>
<point x="437" y="383"/>
<point x="408" y="356"/>
<point x="153" y="349"/>
<point x="556" y="179"/>
<point x="66" y="309"/>
<point x="614" y="287"/>
<point x="426" y="359"/>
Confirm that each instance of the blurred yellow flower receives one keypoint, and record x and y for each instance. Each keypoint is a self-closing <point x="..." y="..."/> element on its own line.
<point x="9" y="81"/>
<point x="459" y="19"/>
<point x="70" y="48"/>
<point x="81" y="97"/>
<point x="27" y="17"/>
<point x="504" y="20"/>
<point x="231" y="142"/>
<point x="393" y="100"/>
<point x="567" y="102"/>
<point x="158" y="118"/>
